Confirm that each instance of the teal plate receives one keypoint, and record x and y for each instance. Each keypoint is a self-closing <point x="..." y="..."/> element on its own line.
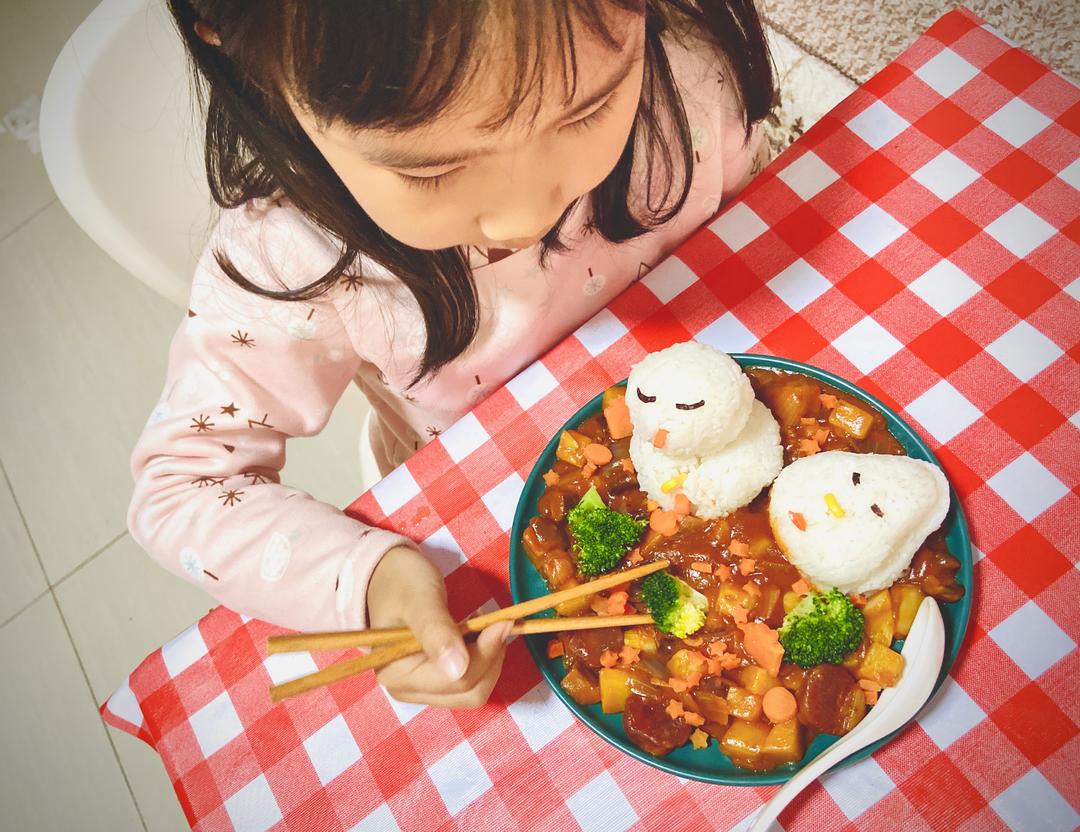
<point x="710" y="765"/>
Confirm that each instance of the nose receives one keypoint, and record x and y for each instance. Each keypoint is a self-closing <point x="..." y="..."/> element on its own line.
<point x="524" y="215"/>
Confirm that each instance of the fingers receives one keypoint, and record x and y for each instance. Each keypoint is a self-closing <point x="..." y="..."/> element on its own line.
<point x="438" y="634"/>
<point x="418" y="680"/>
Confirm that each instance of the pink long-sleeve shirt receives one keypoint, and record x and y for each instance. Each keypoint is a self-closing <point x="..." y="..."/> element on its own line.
<point x="246" y="374"/>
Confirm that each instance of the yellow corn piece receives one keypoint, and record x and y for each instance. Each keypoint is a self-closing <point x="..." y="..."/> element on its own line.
<point x="673" y="483"/>
<point x="834" y="507"/>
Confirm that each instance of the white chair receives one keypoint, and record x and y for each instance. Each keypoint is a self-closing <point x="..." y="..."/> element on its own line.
<point x="122" y="143"/>
<point x="121" y="137"/>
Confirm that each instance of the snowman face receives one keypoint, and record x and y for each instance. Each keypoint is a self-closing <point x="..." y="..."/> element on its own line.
<point x="694" y="393"/>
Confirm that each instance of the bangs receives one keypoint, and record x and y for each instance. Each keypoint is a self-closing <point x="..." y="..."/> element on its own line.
<point x="398" y="66"/>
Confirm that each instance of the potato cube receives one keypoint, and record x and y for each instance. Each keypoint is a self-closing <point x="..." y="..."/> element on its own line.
<point x="851" y="420"/>
<point x="571" y="447"/>
<point x="879" y="618"/>
<point x="743" y="704"/>
<point x="581" y="689"/>
<point x="644" y="639"/>
<point x="906" y="600"/>
<point x="756" y="679"/>
<point x="791" y="600"/>
<point x="767" y="601"/>
<point x="685" y="662"/>
<point x="783" y="744"/>
<point x="614" y="690"/>
<point x="617" y="391"/>
<point x="743" y="742"/>
<point x="881" y="665"/>
<point x="730" y="596"/>
<point x="712" y="706"/>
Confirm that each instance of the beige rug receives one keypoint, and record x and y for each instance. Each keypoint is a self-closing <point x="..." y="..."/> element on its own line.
<point x="858" y="37"/>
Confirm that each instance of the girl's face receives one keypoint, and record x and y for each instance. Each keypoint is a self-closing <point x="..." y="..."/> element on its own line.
<point x="455" y="183"/>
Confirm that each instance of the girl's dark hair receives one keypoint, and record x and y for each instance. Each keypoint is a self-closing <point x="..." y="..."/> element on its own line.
<point x="396" y="65"/>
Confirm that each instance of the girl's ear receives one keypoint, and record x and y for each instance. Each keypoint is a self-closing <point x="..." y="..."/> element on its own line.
<point x="206" y="34"/>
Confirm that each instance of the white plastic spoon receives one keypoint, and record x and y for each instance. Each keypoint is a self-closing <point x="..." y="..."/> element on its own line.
<point x="923" y="651"/>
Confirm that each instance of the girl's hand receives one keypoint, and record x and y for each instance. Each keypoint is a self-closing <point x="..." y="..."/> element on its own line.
<point x="407" y="590"/>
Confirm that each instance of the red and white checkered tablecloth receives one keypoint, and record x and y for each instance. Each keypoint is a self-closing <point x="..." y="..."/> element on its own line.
<point x="922" y="240"/>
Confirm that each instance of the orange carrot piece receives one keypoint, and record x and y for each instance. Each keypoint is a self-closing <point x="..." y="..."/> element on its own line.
<point x="597" y="454"/>
<point x="555" y="649"/>
<point x="729" y="661"/>
<point x="801" y="587"/>
<point x="869" y="684"/>
<point x="699" y="739"/>
<point x="716" y="649"/>
<point x="798" y="520"/>
<point x="616" y="603"/>
<point x="739" y="614"/>
<point x="678" y="685"/>
<point x="664" y="522"/>
<point x="762" y="643"/>
<point x="808" y="420"/>
<point x="694" y="679"/>
<point x="617" y="415"/>
<point x="713" y="667"/>
<point x="588" y="469"/>
<point x="871" y="697"/>
<point x="779" y="705"/>
<point x="629" y="654"/>
<point x="551" y="478"/>
<point x="821" y="436"/>
<point x="828" y="400"/>
<point x="739" y="548"/>
<point x="659" y="440"/>
<point x="693" y="719"/>
<point x="609" y="658"/>
<point x="808" y="447"/>
<point x="746" y="565"/>
<point x="674" y="709"/>
<point x="682" y="504"/>
<point x="752" y="588"/>
<point x="701" y="566"/>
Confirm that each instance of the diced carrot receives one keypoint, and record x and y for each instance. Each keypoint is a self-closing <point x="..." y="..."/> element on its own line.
<point x="551" y="478"/>
<point x="701" y="566"/>
<point x="779" y="705"/>
<point x="808" y="420"/>
<point x="752" y="588"/>
<point x="746" y="565"/>
<point x="598" y="454"/>
<point x="694" y="679"/>
<point x="682" y="504"/>
<point x="609" y="658"/>
<point x="798" y="520"/>
<point x="739" y="549"/>
<point x="729" y="661"/>
<point x="801" y="587"/>
<point x="659" y="440"/>
<point x="808" y="447"/>
<point x="555" y="649"/>
<point x="635" y="556"/>
<point x="617" y="415"/>
<point x="699" y="739"/>
<point x="664" y="522"/>
<point x="693" y="719"/>
<point x="674" y="709"/>
<point x="678" y="685"/>
<point x="629" y="654"/>
<point x="762" y="644"/>
<point x="828" y="400"/>
<point x="588" y="469"/>
<point x="651" y="505"/>
<point x="616" y="603"/>
<point x="697" y="656"/>
<point x="869" y="684"/>
<point x="739" y="614"/>
<point x="858" y="600"/>
<point x="713" y="667"/>
<point x="871" y="697"/>
<point x="628" y="465"/>
<point x="819" y="437"/>
<point x="716" y="649"/>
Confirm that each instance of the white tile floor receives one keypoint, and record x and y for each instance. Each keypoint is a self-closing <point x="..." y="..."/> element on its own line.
<point x="82" y="360"/>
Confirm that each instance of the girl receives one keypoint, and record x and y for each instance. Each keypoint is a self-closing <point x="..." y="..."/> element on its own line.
<point x="421" y="197"/>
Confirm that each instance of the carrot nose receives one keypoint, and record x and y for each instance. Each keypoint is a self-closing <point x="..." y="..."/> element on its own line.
<point x="659" y="438"/>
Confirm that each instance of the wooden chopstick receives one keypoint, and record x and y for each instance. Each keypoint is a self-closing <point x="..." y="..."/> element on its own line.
<point x="409" y="645"/>
<point x="373" y="638"/>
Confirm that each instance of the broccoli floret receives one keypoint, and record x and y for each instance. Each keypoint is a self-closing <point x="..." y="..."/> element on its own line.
<point x="676" y="607"/>
<point x="822" y="629"/>
<point x="601" y="536"/>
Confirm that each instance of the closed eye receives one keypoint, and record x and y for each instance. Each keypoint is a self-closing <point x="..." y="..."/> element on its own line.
<point x="644" y="398"/>
<point x="694" y="406"/>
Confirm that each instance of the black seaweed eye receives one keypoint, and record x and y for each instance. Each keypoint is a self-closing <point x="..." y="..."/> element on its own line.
<point x="693" y="406"/>
<point x="644" y="398"/>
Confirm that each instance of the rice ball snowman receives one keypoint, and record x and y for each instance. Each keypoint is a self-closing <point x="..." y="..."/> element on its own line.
<point x="699" y="431"/>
